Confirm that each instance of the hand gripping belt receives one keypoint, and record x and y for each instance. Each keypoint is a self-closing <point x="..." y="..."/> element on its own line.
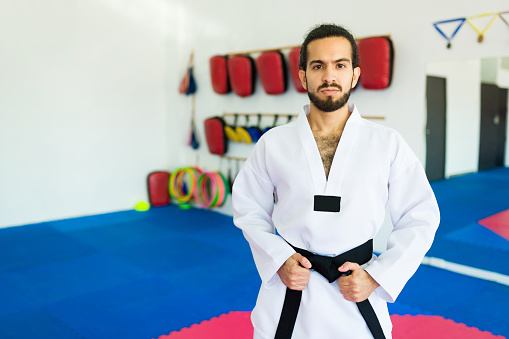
<point x="376" y="61"/>
<point x="328" y="267"/>
<point x="271" y="68"/>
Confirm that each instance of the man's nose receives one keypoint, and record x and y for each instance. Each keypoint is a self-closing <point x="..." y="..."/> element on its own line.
<point x="329" y="76"/>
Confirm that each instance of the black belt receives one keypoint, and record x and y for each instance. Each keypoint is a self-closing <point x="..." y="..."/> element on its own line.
<point x="328" y="267"/>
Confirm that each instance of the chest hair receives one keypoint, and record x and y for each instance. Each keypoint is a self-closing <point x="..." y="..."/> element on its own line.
<point x="327" y="145"/>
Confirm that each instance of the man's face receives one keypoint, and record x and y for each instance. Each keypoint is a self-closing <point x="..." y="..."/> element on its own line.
<point x="329" y="75"/>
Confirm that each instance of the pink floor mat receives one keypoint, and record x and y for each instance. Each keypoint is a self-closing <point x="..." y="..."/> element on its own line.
<point x="498" y="223"/>
<point x="234" y="325"/>
<point x="237" y="325"/>
<point x="436" y="327"/>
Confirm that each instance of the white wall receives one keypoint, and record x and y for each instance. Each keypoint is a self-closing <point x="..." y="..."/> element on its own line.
<point x="463" y="118"/>
<point x="502" y="73"/>
<point x="83" y="106"/>
<point x="90" y="103"/>
<point x="498" y="74"/>
<point x="463" y="79"/>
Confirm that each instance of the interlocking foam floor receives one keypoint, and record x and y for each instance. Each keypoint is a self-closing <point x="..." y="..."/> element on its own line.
<point x="464" y="202"/>
<point x="125" y="274"/>
<point x="147" y="274"/>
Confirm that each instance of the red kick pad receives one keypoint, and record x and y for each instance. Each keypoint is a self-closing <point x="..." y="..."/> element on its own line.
<point x="214" y="133"/>
<point x="376" y="60"/>
<point x="242" y="75"/>
<point x="293" y="61"/>
<point x="219" y="74"/>
<point x="498" y="223"/>
<point x="158" y="190"/>
<point x="271" y="68"/>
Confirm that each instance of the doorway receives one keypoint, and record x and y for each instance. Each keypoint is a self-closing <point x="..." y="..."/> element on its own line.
<point x="493" y="126"/>
<point x="435" y="127"/>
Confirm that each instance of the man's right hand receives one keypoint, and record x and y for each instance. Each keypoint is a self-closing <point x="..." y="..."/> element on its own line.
<point x="295" y="272"/>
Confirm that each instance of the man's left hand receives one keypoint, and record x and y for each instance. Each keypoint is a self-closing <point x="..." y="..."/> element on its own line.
<point x="357" y="286"/>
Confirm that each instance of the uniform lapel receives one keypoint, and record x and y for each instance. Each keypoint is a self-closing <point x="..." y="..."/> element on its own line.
<point x="311" y="152"/>
<point x="339" y="163"/>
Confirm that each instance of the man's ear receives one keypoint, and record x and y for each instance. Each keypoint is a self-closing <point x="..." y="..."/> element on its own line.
<point x="356" y="75"/>
<point x="302" y="76"/>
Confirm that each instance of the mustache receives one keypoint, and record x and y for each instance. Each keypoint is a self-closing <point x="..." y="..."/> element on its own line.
<point x="327" y="85"/>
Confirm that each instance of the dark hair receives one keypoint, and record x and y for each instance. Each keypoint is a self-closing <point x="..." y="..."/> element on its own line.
<point x="327" y="31"/>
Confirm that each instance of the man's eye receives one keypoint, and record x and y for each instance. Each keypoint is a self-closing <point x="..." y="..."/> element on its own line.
<point x="317" y="66"/>
<point x="340" y="66"/>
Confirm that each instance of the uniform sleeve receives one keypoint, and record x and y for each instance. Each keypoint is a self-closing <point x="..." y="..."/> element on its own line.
<point x="253" y="203"/>
<point x="415" y="218"/>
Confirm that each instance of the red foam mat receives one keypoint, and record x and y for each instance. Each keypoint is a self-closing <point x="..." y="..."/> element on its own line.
<point x="234" y="325"/>
<point x="436" y="327"/>
<point x="498" y="223"/>
<point x="237" y="325"/>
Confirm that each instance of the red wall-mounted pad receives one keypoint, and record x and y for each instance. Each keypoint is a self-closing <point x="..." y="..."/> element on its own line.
<point x="242" y="75"/>
<point x="376" y="60"/>
<point x="293" y="61"/>
<point x="271" y="68"/>
<point x="215" y="136"/>
<point x="219" y="74"/>
<point x="158" y="190"/>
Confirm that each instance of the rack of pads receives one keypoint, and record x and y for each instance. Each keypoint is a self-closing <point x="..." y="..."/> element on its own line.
<point x="240" y="129"/>
<point x="218" y="132"/>
<point x="237" y="72"/>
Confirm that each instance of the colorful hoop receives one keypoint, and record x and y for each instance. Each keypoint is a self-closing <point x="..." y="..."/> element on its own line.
<point x="182" y="184"/>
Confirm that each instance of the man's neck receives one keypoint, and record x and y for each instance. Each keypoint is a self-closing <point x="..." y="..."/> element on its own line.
<point x="327" y="123"/>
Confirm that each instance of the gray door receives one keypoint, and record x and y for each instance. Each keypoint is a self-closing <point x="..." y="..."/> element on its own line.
<point x="493" y="126"/>
<point x="435" y="127"/>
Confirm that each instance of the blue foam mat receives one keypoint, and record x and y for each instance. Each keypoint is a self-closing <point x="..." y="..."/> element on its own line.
<point x="68" y="278"/>
<point x="463" y="201"/>
<point x="141" y="275"/>
<point x="33" y="245"/>
<point x="478" y="235"/>
<point x="474" y="302"/>
<point x="34" y="323"/>
<point x="143" y="309"/>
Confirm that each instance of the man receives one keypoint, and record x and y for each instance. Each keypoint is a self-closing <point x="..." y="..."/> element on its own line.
<point x="323" y="182"/>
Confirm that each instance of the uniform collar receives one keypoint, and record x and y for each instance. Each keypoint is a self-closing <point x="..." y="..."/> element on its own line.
<point x="314" y="160"/>
<point x="351" y="108"/>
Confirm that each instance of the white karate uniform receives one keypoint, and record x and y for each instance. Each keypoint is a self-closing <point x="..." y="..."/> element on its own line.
<point x="372" y="166"/>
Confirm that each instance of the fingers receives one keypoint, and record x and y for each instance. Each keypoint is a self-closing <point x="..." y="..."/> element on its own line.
<point x="354" y="297"/>
<point x="303" y="261"/>
<point x="349" y="266"/>
<point x="353" y="291"/>
<point x="353" y="272"/>
<point x="293" y="275"/>
<point x="358" y="286"/>
<point x="299" y="275"/>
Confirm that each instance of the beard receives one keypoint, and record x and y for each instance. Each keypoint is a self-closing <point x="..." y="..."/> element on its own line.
<point x="329" y="104"/>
